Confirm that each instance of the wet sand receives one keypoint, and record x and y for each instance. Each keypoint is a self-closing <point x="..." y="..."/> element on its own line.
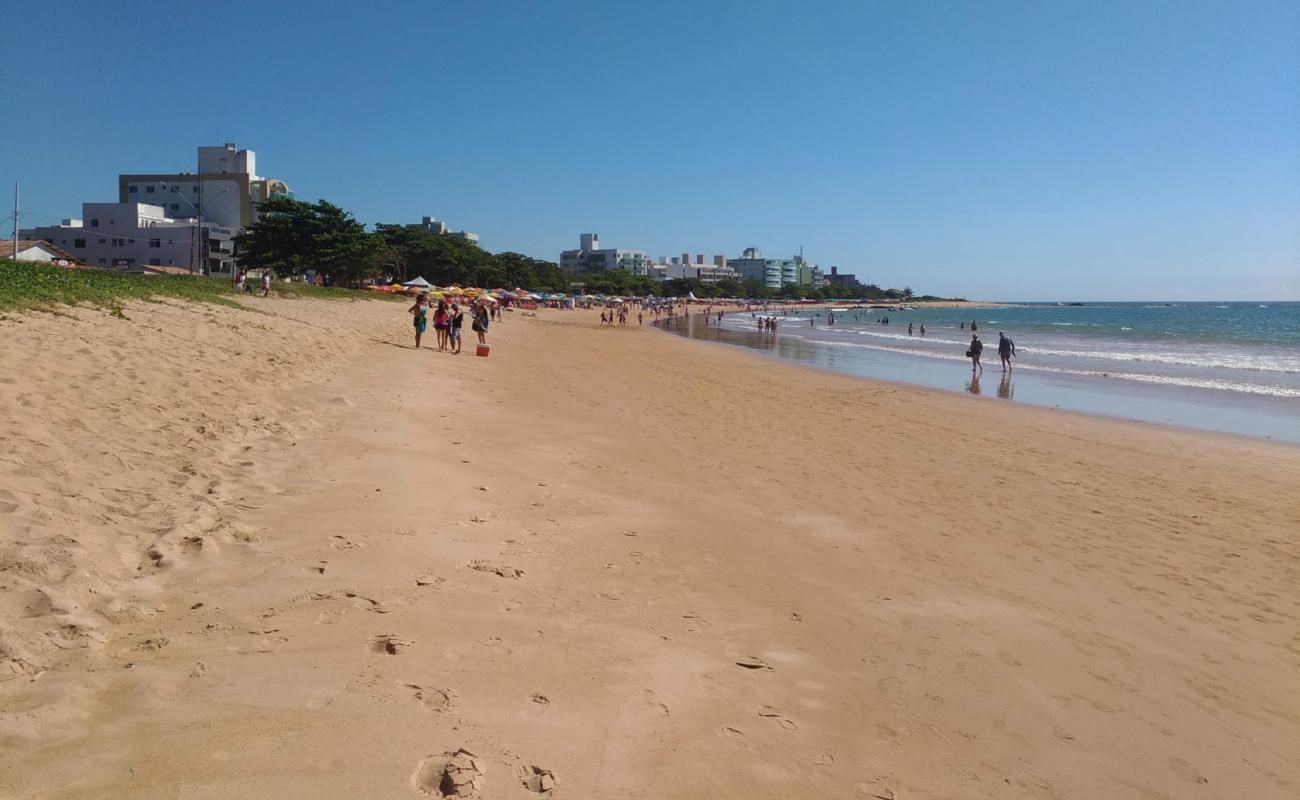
<point x="282" y="554"/>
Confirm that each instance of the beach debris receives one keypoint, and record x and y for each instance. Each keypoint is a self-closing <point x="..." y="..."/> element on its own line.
<point x="198" y="670"/>
<point x="459" y="773"/>
<point x="481" y="488"/>
<point x="795" y="616"/>
<point x="753" y="662"/>
<point x="428" y="579"/>
<point x="504" y="570"/>
<point x="540" y="699"/>
<point x="538" y="780"/>
<point x="388" y="643"/>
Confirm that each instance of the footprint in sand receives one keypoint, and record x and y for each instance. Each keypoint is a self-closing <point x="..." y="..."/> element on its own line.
<point x="453" y="774"/>
<point x="342" y="543"/>
<point x="388" y="644"/>
<point x="771" y="713"/>
<point x="432" y="699"/>
<point x="537" y="780"/>
<point x="8" y="502"/>
<point x="503" y="570"/>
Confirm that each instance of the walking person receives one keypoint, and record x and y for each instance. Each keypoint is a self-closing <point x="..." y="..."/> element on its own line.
<point x="976" y="348"/>
<point x="266" y="284"/>
<point x="1006" y="349"/>
<point x="420" y="312"/>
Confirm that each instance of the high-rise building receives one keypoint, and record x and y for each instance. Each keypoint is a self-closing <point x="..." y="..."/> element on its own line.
<point x="225" y="190"/>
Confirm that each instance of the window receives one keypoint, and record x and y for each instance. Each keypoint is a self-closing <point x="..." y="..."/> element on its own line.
<point x="148" y="189"/>
<point x="155" y="242"/>
<point x="131" y="189"/>
<point x="153" y="262"/>
<point x="130" y="241"/>
<point x="175" y="189"/>
<point x="101" y="261"/>
<point x="78" y="242"/>
<point x="194" y="189"/>
<point x="94" y="223"/>
<point x="102" y="241"/>
<point x="175" y="206"/>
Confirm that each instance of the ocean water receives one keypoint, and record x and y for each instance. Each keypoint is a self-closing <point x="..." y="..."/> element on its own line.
<point x="1228" y="367"/>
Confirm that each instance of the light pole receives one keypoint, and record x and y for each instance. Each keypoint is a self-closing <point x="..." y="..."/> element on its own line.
<point x="196" y="240"/>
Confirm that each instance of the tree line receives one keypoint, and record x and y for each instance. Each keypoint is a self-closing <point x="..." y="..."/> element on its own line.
<point x="292" y="237"/>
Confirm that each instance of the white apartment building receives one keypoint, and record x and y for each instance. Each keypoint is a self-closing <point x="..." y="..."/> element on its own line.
<point x="226" y="190"/>
<point x="683" y="267"/>
<point x="434" y="225"/>
<point x="590" y="257"/>
<point x="136" y="235"/>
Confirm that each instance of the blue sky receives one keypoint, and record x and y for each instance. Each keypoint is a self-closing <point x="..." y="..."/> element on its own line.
<point x="1002" y="150"/>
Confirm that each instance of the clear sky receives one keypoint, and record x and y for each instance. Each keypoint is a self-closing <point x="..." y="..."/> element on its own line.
<point x="999" y="150"/>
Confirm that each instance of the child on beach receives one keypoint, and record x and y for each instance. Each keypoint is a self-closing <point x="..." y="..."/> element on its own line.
<point x="420" y="312"/>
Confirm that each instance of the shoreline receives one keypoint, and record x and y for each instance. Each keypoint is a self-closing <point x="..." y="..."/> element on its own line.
<point x="557" y="557"/>
<point x="1258" y="417"/>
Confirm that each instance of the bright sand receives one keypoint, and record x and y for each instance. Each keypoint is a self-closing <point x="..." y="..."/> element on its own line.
<point x="282" y="555"/>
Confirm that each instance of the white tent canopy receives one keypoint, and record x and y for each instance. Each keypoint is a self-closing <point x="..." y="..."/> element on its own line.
<point x="418" y="283"/>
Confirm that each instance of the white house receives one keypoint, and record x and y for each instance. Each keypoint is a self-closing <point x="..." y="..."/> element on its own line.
<point x="135" y="235"/>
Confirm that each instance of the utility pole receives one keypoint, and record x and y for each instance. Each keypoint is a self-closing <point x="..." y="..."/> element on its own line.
<point x="15" y="220"/>
<point x="198" y="226"/>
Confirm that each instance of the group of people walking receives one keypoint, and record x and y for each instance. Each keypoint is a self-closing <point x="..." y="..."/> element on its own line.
<point x="1006" y="350"/>
<point x="448" y="320"/>
<point x="609" y="315"/>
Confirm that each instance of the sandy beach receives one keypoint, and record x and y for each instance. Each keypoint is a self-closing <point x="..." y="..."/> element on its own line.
<point x="277" y="553"/>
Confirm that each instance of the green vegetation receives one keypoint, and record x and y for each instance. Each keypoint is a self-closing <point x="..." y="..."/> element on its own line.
<point x="25" y="285"/>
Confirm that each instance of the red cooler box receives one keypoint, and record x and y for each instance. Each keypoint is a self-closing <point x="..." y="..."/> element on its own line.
<point x="484" y="350"/>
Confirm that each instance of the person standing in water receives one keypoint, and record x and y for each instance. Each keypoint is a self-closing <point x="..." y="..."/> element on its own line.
<point x="909" y="329"/>
<point x="420" y="312"/>
<point x="922" y="328"/>
<point x="973" y="326"/>
<point x="1006" y="349"/>
<point x="963" y="325"/>
<point x="976" y="348"/>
